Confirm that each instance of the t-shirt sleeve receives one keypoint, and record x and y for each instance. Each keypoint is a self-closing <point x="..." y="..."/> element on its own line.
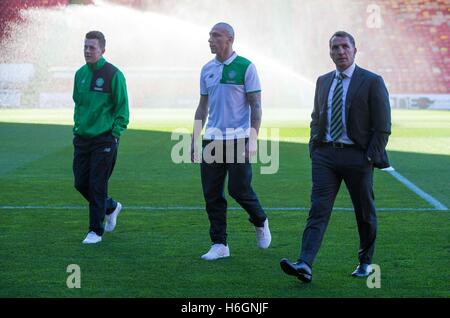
<point x="251" y="82"/>
<point x="203" y="90"/>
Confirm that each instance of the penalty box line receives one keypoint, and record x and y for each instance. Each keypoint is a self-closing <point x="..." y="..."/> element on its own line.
<point x="195" y="208"/>
<point x="437" y="206"/>
<point x="422" y="194"/>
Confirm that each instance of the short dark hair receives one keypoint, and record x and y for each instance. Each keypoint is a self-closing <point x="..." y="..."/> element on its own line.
<point x="343" y="34"/>
<point x="97" y="35"/>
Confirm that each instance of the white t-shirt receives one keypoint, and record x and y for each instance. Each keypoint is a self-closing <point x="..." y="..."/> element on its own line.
<point x="226" y="85"/>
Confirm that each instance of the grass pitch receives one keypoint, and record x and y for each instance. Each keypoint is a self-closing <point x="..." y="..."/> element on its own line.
<point x="156" y="253"/>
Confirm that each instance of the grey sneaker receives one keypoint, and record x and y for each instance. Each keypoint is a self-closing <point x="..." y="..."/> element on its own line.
<point x="217" y="251"/>
<point x="111" y="220"/>
<point x="263" y="236"/>
<point x="92" y="238"/>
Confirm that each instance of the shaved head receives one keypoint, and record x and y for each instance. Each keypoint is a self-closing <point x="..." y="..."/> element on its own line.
<point x="221" y="38"/>
<point x="225" y="26"/>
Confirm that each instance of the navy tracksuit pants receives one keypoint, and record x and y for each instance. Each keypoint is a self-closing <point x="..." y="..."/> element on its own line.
<point x="93" y="163"/>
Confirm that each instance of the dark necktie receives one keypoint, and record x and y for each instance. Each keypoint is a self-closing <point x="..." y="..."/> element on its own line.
<point x="336" y="109"/>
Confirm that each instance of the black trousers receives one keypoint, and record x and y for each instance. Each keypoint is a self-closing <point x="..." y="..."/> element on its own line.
<point x="93" y="163"/>
<point x="329" y="167"/>
<point x="213" y="176"/>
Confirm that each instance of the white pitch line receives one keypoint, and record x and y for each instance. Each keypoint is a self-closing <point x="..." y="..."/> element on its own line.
<point x="437" y="205"/>
<point x="189" y="208"/>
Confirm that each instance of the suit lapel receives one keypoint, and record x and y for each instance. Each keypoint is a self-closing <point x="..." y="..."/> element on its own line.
<point x="326" y="90"/>
<point x="358" y="78"/>
<point x="355" y="83"/>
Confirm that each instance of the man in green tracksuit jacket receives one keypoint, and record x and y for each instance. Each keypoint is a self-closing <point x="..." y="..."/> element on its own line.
<point x="101" y="116"/>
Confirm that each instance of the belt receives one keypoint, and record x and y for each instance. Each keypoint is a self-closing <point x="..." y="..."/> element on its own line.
<point x="339" y="145"/>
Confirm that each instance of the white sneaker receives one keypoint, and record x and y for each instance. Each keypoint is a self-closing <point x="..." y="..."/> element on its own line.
<point x="111" y="219"/>
<point x="263" y="236"/>
<point x="217" y="251"/>
<point x="92" y="238"/>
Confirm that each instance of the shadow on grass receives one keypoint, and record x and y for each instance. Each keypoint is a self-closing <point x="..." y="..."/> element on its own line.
<point x="150" y="253"/>
<point x="40" y="156"/>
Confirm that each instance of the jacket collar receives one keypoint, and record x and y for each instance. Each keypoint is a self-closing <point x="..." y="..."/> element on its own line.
<point x="98" y="65"/>
<point x="349" y="71"/>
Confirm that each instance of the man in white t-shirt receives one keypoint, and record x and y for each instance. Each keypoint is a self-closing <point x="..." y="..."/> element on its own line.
<point x="230" y="98"/>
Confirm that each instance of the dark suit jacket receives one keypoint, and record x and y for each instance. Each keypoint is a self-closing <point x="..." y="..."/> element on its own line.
<point x="368" y="113"/>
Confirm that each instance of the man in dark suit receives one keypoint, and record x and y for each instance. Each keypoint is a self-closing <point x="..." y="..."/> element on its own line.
<point x="350" y="126"/>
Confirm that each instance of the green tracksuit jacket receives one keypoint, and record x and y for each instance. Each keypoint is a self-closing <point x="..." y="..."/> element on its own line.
<point x="101" y="101"/>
